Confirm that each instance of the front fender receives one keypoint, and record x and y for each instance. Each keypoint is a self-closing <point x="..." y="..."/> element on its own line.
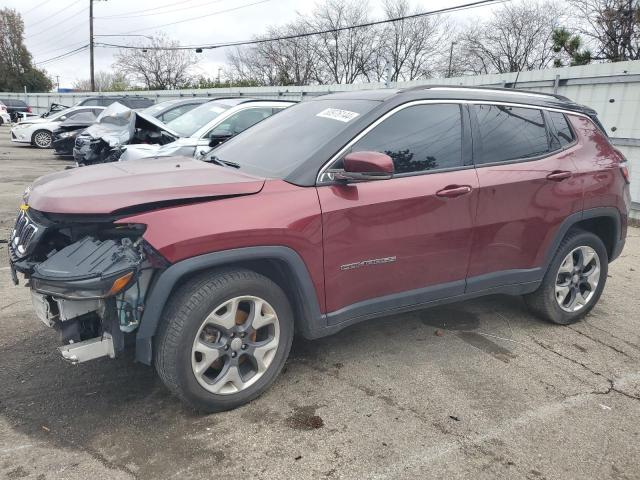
<point x="313" y="320"/>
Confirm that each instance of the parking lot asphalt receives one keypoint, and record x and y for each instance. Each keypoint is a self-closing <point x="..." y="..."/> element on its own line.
<point x="480" y="389"/>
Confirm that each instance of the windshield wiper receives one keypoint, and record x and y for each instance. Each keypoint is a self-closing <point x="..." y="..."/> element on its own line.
<point x="222" y="163"/>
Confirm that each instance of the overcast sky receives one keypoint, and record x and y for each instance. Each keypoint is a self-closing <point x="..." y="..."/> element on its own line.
<point x="54" y="27"/>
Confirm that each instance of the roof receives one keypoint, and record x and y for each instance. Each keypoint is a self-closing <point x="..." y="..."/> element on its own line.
<point x="448" y="92"/>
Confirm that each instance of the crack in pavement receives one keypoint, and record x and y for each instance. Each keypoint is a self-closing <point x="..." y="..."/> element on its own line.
<point x="596" y="340"/>
<point x="612" y="387"/>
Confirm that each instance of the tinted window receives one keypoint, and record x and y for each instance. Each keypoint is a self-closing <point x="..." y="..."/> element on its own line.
<point x="176" y="112"/>
<point x="239" y="122"/>
<point x="283" y="142"/>
<point x="419" y="138"/>
<point x="563" y="134"/>
<point x="510" y="133"/>
<point x="137" y="102"/>
<point x="91" y="101"/>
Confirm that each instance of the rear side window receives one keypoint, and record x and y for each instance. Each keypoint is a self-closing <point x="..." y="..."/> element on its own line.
<point x="510" y="133"/>
<point x="563" y="134"/>
<point x="418" y="138"/>
<point x="91" y="102"/>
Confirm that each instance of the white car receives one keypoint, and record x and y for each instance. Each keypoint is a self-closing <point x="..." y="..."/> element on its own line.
<point x="39" y="131"/>
<point x="208" y="125"/>
<point x="4" y="115"/>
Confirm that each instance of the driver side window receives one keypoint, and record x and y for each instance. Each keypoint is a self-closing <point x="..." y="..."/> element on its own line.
<point x="418" y="138"/>
<point x="240" y="121"/>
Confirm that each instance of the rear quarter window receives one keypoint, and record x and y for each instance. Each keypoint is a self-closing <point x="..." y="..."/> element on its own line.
<point x="563" y="135"/>
<point x="510" y="133"/>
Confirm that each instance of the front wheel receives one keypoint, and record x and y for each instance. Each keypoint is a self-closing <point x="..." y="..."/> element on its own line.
<point x="224" y="339"/>
<point x="42" y="139"/>
<point x="574" y="281"/>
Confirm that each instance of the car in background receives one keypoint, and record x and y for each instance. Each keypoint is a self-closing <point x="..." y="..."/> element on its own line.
<point x="39" y="131"/>
<point x="172" y="109"/>
<point x="207" y="126"/>
<point x="15" y="107"/>
<point x="64" y="136"/>
<point x="4" y="115"/>
<point x="134" y="102"/>
<point x="117" y="126"/>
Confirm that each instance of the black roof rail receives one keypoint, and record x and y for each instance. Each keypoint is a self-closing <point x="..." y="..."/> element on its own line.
<point x="488" y="89"/>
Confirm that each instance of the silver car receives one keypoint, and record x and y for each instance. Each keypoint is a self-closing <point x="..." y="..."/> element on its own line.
<point x="208" y="125"/>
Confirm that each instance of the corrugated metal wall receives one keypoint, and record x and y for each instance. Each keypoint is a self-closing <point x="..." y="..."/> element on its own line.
<point x="612" y="89"/>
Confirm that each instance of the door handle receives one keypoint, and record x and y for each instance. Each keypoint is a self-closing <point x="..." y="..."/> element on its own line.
<point x="559" y="175"/>
<point x="451" y="191"/>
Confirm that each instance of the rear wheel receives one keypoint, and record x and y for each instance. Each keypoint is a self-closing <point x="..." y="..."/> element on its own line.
<point x="42" y="139"/>
<point x="224" y="339"/>
<point x="574" y="281"/>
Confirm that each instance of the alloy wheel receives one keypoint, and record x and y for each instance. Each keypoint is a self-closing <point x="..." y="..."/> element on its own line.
<point x="235" y="345"/>
<point x="42" y="139"/>
<point x="577" y="279"/>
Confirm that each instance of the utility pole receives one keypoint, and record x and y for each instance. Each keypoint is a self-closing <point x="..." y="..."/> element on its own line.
<point x="58" y="82"/>
<point x="93" y="82"/>
<point x="450" y="59"/>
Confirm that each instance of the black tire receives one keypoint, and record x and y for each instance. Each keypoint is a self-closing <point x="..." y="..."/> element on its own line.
<point x="183" y="316"/>
<point x="543" y="301"/>
<point x="36" y="139"/>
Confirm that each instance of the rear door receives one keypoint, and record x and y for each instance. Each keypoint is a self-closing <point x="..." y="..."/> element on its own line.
<point x="406" y="240"/>
<point x="527" y="188"/>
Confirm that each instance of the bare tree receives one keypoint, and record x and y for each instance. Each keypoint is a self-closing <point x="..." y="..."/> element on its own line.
<point x="612" y="26"/>
<point x="343" y="56"/>
<point x="518" y="36"/>
<point x="104" y="82"/>
<point x="411" y="46"/>
<point x="155" y="67"/>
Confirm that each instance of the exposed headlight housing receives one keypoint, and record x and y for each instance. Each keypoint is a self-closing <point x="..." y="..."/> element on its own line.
<point x="89" y="269"/>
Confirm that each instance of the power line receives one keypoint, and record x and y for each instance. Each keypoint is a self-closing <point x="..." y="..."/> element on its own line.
<point x="36" y="7"/>
<point x="64" y="47"/>
<point x="67" y="54"/>
<point x="466" y="6"/>
<point x="51" y="16"/>
<point x="60" y="22"/>
<point x="128" y="15"/>
<point x="198" y="17"/>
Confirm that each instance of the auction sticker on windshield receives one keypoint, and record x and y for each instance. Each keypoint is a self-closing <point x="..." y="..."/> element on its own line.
<point x="337" y="114"/>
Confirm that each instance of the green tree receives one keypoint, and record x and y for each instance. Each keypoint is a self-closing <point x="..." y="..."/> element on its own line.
<point x="16" y="66"/>
<point x="568" y="45"/>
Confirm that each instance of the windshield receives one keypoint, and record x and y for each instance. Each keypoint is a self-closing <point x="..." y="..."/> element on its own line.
<point x="189" y="123"/>
<point x="279" y="144"/>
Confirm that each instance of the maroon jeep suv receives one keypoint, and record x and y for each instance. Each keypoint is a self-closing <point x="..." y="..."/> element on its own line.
<point x="338" y="210"/>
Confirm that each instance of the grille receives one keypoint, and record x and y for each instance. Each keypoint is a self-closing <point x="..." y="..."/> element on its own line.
<point x="22" y="235"/>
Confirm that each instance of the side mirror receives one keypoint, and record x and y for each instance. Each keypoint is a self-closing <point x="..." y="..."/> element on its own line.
<point x="63" y="117"/>
<point x="365" y="166"/>
<point x="215" y="140"/>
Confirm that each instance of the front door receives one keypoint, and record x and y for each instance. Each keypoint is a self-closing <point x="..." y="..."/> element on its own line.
<point x="403" y="241"/>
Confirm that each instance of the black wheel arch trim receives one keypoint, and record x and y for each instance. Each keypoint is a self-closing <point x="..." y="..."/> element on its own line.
<point x="312" y="319"/>
<point x="572" y="220"/>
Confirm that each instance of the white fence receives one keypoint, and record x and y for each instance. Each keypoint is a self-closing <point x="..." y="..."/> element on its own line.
<point x="612" y="89"/>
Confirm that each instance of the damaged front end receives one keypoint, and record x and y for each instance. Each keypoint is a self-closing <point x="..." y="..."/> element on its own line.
<point x="89" y="277"/>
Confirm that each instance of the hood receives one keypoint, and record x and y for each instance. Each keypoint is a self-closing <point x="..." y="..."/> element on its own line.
<point x="157" y="123"/>
<point x="116" y="125"/>
<point x="107" y="188"/>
